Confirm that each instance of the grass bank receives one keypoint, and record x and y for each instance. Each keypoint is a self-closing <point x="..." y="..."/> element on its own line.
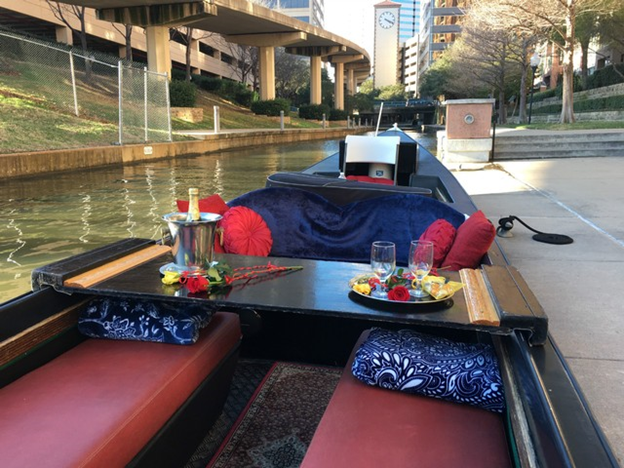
<point x="32" y="121"/>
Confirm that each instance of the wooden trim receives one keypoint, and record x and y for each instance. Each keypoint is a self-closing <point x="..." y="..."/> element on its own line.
<point x="23" y="342"/>
<point x="108" y="270"/>
<point x="481" y="308"/>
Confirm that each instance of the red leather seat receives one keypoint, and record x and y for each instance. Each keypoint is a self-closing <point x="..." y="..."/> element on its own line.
<point x="101" y="402"/>
<point x="367" y="426"/>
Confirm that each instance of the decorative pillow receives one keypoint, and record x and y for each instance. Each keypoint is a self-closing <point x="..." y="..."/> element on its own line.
<point x="133" y="319"/>
<point x="245" y="232"/>
<point x="373" y="180"/>
<point x="442" y="234"/>
<point x="427" y="365"/>
<point x="212" y="204"/>
<point x="472" y="241"/>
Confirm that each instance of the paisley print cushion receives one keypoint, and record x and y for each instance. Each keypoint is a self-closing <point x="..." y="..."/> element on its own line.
<point x="416" y="363"/>
<point x="130" y="319"/>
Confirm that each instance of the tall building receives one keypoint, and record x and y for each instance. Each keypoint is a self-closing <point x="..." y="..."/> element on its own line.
<point x="310" y="11"/>
<point x="409" y="19"/>
<point x="387" y="60"/>
<point x="439" y="27"/>
<point x="410" y="65"/>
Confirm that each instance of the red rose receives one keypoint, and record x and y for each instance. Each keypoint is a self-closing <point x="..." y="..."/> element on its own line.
<point x="399" y="293"/>
<point x="194" y="283"/>
<point x="373" y="281"/>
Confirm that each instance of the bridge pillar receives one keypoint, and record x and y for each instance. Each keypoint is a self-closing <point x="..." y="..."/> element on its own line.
<point x="339" y="85"/>
<point x="350" y="82"/>
<point x="158" y="56"/>
<point x="315" y="80"/>
<point x="64" y="35"/>
<point x="267" y="72"/>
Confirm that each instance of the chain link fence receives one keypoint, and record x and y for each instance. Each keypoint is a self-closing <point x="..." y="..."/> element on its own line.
<point x="96" y="87"/>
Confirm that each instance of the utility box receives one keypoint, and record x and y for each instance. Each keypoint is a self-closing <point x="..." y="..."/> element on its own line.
<point x="467" y="137"/>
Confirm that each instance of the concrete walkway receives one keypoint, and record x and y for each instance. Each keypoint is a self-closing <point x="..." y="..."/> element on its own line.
<point x="581" y="285"/>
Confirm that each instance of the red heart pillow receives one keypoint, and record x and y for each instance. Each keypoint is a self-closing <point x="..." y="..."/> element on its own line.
<point x="472" y="241"/>
<point x="212" y="204"/>
<point x="442" y="234"/>
<point x="245" y="232"/>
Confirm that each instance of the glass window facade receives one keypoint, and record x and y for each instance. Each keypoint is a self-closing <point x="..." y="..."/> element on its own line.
<point x="409" y="19"/>
<point x="310" y="11"/>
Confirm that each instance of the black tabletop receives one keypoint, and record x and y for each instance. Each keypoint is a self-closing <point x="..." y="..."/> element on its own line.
<point x="320" y="287"/>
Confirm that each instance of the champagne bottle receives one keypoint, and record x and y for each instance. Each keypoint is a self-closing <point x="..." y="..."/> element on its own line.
<point x="193" y="209"/>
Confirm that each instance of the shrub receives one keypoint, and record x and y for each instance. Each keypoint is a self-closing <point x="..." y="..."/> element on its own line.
<point x="313" y="111"/>
<point x="235" y="92"/>
<point x="207" y="83"/>
<point x="272" y="107"/>
<point x="338" y="114"/>
<point x="605" y="77"/>
<point x="182" y="94"/>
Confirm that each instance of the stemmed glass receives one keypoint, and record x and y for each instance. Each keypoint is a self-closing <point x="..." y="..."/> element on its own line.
<point x="420" y="262"/>
<point x="383" y="263"/>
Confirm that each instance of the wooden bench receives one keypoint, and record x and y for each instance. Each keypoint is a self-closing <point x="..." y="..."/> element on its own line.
<point x="117" y="403"/>
<point x="367" y="426"/>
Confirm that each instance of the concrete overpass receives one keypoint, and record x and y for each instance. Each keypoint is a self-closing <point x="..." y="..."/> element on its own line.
<point x="245" y="23"/>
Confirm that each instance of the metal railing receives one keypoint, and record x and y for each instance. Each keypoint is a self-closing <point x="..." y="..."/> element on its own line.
<point x="93" y="86"/>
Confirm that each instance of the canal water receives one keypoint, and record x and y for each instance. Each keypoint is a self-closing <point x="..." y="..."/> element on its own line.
<point x="50" y="217"/>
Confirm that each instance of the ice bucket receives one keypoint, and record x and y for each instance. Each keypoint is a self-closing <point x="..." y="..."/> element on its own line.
<point x="192" y="242"/>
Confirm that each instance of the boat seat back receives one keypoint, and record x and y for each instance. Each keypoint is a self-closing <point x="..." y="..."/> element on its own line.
<point x="379" y="154"/>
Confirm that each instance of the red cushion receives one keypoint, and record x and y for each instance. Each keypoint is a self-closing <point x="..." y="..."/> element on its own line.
<point x="371" y="427"/>
<point x="373" y="180"/>
<point x="212" y="204"/>
<point x="442" y="234"/>
<point x="99" y="403"/>
<point x="245" y="232"/>
<point x="472" y="241"/>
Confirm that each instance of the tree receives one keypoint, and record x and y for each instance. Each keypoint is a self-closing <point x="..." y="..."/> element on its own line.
<point x="549" y="18"/>
<point x="394" y="92"/>
<point x="244" y="63"/>
<point x="65" y="13"/>
<point x="127" y="34"/>
<point x="292" y="74"/>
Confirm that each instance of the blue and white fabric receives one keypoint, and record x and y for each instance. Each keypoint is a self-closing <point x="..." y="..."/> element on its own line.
<point x="417" y="363"/>
<point x="129" y="319"/>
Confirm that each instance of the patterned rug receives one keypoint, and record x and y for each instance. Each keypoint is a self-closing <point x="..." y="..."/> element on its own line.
<point x="277" y="425"/>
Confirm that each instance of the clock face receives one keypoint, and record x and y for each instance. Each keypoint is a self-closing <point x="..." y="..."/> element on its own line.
<point x="387" y="20"/>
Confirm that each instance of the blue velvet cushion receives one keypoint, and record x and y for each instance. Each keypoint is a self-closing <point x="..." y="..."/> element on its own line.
<point x="306" y="225"/>
<point x="431" y="366"/>
<point x="129" y="319"/>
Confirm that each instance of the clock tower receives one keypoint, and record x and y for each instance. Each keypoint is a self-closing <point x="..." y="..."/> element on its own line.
<point x="386" y="54"/>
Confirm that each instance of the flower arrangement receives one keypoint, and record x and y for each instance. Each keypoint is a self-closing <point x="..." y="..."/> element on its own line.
<point x="221" y="275"/>
<point x="398" y="285"/>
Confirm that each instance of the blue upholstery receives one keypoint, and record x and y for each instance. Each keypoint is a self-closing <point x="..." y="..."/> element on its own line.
<point x="306" y="225"/>
<point x="130" y="319"/>
<point x="427" y="365"/>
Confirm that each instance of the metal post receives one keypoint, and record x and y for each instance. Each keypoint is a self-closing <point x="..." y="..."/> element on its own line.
<point x="532" y="88"/>
<point x="145" y="101"/>
<point x="120" y="86"/>
<point x="168" y="107"/>
<point x="217" y="123"/>
<point x="282" y="120"/>
<point x="348" y="122"/>
<point x="324" y="121"/>
<point x="73" y="78"/>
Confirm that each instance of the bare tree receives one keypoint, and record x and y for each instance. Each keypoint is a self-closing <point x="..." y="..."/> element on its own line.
<point x="65" y="13"/>
<point x="244" y="63"/>
<point x="549" y="18"/>
<point x="127" y="35"/>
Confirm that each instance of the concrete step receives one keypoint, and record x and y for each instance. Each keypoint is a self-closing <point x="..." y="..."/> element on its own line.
<point x="559" y="145"/>
<point x="533" y="154"/>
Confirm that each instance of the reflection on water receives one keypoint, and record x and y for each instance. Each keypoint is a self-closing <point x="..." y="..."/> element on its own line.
<point x="51" y="217"/>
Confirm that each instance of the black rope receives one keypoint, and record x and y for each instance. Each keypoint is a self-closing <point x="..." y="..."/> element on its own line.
<point x="506" y="224"/>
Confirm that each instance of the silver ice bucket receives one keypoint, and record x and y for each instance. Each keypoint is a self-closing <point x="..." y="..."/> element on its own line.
<point x="192" y="242"/>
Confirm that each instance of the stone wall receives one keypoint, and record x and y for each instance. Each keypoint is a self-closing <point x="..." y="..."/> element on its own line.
<point x="188" y="114"/>
<point x="605" y="91"/>
<point x="31" y="164"/>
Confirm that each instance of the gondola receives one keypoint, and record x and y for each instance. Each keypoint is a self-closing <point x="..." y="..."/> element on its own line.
<point x="546" y="422"/>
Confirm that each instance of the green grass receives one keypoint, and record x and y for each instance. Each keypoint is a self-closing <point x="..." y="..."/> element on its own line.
<point x="592" y="125"/>
<point x="35" y="114"/>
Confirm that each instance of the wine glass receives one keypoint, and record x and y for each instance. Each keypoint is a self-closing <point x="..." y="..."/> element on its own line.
<point x="383" y="263"/>
<point x="420" y="262"/>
